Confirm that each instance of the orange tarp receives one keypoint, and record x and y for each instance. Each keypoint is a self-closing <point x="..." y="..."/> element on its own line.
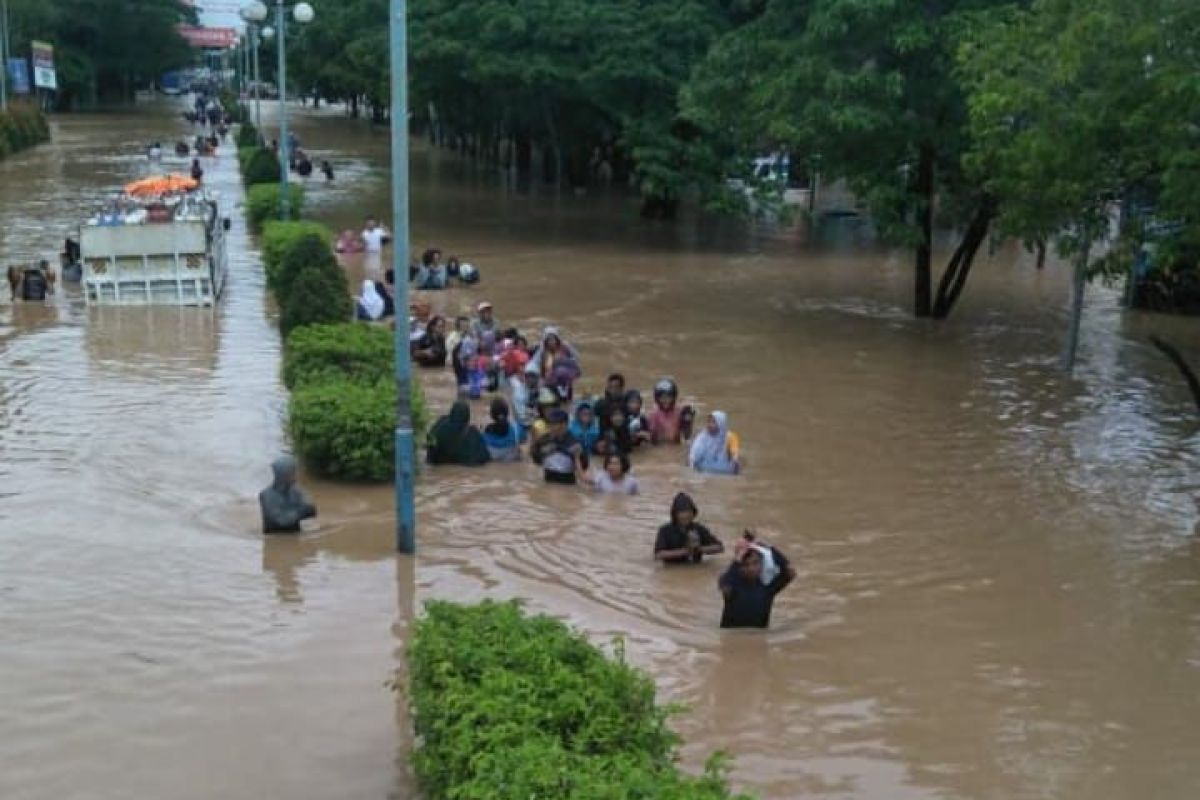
<point x="160" y="184"/>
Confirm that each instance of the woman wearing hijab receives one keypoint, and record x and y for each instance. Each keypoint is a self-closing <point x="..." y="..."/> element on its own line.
<point x="502" y="437"/>
<point x="370" y="305"/>
<point x="716" y="449"/>
<point x="585" y="427"/>
<point x="550" y="352"/>
<point x="454" y="440"/>
<point x="430" y="349"/>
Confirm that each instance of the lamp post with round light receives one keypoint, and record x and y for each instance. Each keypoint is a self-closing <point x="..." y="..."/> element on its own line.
<point x="302" y="13"/>
<point x="255" y="14"/>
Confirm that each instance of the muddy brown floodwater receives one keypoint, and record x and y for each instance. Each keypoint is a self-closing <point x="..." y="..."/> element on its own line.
<point x="999" y="591"/>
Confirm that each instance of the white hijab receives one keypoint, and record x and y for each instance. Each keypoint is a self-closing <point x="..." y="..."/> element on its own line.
<point x="371" y="302"/>
<point x="709" y="448"/>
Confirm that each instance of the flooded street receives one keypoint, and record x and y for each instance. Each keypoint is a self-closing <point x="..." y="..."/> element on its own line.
<point x="999" y="589"/>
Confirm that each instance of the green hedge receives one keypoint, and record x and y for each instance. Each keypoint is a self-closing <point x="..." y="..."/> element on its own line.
<point x="344" y="428"/>
<point x="262" y="203"/>
<point x="22" y="126"/>
<point x="311" y="287"/>
<point x="513" y="707"/>
<point x="279" y="237"/>
<point x="247" y="138"/>
<point x="259" y="165"/>
<point x="319" y="353"/>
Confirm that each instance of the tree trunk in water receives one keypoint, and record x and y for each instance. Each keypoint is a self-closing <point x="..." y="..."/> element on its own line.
<point x="924" y="256"/>
<point x="1076" y="309"/>
<point x="354" y="106"/>
<point x="955" y="277"/>
<point x="1041" y="253"/>
<point x="524" y="148"/>
<point x="1181" y="364"/>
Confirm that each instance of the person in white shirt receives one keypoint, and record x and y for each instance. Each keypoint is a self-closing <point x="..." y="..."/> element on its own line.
<point x="374" y="236"/>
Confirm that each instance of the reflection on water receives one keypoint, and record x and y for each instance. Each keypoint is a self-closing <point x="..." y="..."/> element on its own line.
<point x="998" y="566"/>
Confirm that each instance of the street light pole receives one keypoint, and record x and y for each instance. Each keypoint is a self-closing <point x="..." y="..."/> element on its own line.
<point x="406" y="530"/>
<point x="284" y="160"/>
<point x="4" y="55"/>
<point x="257" y="84"/>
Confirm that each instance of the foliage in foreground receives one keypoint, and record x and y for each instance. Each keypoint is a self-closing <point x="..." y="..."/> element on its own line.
<point x="262" y="202"/>
<point x="344" y="428"/>
<point x="514" y="707"/>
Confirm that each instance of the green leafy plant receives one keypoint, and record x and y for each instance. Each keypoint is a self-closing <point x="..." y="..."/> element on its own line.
<point x="262" y="202"/>
<point x="319" y="353"/>
<point x="316" y="295"/>
<point x="260" y="165"/>
<point x="21" y="126"/>
<point x="247" y="137"/>
<point x="345" y="428"/>
<point x="280" y="237"/>
<point x="510" y="706"/>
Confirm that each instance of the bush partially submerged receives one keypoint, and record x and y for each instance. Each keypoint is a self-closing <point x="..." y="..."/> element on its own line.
<point x="510" y="707"/>
<point x="262" y="202"/>
<point x="319" y="353"/>
<point x="344" y="428"/>
<point x="259" y="165"/>
<point x="281" y="237"/>
<point x="21" y="126"/>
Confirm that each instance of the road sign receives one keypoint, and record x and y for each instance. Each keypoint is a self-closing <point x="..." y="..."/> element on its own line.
<point x="44" y="76"/>
<point x="18" y="75"/>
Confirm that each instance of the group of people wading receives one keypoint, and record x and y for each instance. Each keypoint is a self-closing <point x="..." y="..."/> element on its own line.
<point x="534" y="413"/>
<point x="589" y="441"/>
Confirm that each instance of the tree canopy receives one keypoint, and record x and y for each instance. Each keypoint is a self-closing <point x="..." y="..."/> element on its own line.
<point x="104" y="49"/>
<point x="1080" y="107"/>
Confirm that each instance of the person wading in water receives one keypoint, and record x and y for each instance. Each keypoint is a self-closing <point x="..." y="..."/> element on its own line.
<point x="283" y="503"/>
<point x="683" y="540"/>
<point x="758" y="573"/>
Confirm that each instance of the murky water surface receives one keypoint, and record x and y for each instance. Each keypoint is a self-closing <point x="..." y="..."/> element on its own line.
<point x="999" y="591"/>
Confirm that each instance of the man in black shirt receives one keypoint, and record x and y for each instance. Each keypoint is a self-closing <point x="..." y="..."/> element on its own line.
<point x="684" y="540"/>
<point x="757" y="574"/>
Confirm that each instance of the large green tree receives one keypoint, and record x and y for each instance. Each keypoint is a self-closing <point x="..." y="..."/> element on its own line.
<point x="568" y="78"/>
<point x="869" y="87"/>
<point x="104" y="49"/>
<point x="1079" y="107"/>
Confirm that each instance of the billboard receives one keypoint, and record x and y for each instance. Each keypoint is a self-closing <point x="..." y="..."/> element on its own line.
<point x="18" y="75"/>
<point x="208" y="38"/>
<point x="44" y="76"/>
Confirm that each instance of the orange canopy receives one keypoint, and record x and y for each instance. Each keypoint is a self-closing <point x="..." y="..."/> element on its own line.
<point x="159" y="185"/>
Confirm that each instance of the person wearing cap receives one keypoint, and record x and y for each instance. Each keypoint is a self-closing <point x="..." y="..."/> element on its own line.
<point x="485" y="322"/>
<point x="560" y="454"/>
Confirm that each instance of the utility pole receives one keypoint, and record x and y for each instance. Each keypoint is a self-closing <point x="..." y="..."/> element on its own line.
<point x="406" y="526"/>
<point x="4" y="49"/>
<point x="284" y="159"/>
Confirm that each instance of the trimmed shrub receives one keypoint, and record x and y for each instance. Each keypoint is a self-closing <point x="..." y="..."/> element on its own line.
<point x="320" y="353"/>
<point x="316" y="296"/>
<point x="509" y="707"/>
<point x="346" y="429"/>
<point x="259" y="166"/>
<point x="262" y="202"/>
<point x="310" y="252"/>
<point x="247" y="137"/>
<point x="21" y="126"/>
<point x="279" y="237"/>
